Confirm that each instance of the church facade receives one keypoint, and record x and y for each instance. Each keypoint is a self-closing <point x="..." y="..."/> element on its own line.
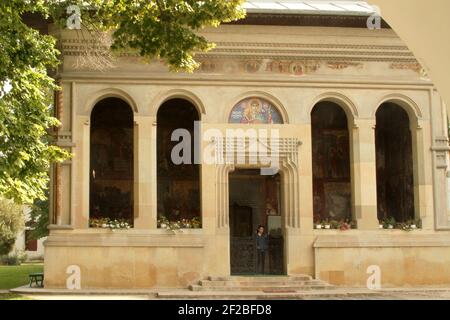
<point x="327" y="133"/>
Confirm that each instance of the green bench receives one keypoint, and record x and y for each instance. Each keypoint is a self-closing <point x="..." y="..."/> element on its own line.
<point x="37" y="278"/>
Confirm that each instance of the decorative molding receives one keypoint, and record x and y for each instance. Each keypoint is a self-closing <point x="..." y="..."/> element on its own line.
<point x="441" y="149"/>
<point x="287" y="149"/>
<point x="336" y="65"/>
<point x="389" y="239"/>
<point x="64" y="139"/>
<point x="414" y="66"/>
<point x="124" y="239"/>
<point x="253" y="65"/>
<point x="312" y="45"/>
<point x="304" y="52"/>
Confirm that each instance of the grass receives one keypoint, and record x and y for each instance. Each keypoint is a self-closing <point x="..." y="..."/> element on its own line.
<point x="13" y="296"/>
<point x="16" y="276"/>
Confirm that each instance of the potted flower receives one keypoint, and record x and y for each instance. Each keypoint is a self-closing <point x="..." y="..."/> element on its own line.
<point x="389" y="223"/>
<point x="318" y="224"/>
<point x="108" y="223"/>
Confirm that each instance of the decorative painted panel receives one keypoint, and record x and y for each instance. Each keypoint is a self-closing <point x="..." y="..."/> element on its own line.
<point x="255" y="111"/>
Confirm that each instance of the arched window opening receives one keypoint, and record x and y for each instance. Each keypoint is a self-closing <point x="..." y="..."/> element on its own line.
<point x="178" y="184"/>
<point x="395" y="181"/>
<point x="111" y="164"/>
<point x="331" y="165"/>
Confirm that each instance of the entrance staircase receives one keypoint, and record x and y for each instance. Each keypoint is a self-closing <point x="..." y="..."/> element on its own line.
<point x="261" y="283"/>
<point x="253" y="287"/>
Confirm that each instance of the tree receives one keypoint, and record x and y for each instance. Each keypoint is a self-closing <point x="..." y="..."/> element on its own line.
<point x="25" y="110"/>
<point x="11" y="223"/>
<point x="164" y="29"/>
<point x="39" y="218"/>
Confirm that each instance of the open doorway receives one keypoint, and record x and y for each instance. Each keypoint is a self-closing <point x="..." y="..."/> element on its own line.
<point x="254" y="200"/>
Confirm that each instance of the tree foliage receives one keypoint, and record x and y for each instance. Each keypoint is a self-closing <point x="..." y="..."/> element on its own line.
<point x="25" y="108"/>
<point x="39" y="218"/>
<point x="11" y="223"/>
<point x="163" y="29"/>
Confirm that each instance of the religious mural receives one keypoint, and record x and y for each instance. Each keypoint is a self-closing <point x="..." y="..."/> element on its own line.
<point x="255" y="111"/>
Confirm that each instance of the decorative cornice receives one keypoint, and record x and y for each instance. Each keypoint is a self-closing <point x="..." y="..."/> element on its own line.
<point x="274" y="51"/>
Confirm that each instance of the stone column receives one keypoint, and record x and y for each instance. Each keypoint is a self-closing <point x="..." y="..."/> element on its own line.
<point x="144" y="168"/>
<point x="433" y="183"/>
<point x="363" y="172"/>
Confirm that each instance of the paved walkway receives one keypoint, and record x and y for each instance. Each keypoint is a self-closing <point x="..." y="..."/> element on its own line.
<point x="424" y="293"/>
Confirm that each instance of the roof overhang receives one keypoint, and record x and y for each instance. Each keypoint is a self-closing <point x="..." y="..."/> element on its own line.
<point x="311" y="7"/>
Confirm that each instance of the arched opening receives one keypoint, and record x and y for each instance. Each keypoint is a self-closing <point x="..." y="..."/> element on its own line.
<point x="111" y="163"/>
<point x="178" y="176"/>
<point x="331" y="164"/>
<point x="395" y="181"/>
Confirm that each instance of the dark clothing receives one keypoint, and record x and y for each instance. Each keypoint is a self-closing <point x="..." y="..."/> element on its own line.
<point x="262" y="242"/>
<point x="260" y="261"/>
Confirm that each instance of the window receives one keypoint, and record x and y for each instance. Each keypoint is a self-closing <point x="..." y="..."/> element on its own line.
<point x="30" y="244"/>
<point x="178" y="183"/>
<point x="111" y="161"/>
<point x="331" y="163"/>
<point x="395" y="182"/>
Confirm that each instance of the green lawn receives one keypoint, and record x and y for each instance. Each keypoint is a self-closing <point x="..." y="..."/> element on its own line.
<point x="13" y="296"/>
<point x="16" y="276"/>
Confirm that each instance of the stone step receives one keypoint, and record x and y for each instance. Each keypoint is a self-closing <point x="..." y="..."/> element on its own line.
<point x="234" y="283"/>
<point x="261" y="278"/>
<point x="259" y="295"/>
<point x="263" y="288"/>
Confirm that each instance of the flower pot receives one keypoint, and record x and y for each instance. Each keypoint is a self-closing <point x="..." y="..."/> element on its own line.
<point x="390" y="226"/>
<point x="327" y="226"/>
<point x="413" y="226"/>
<point x="318" y="226"/>
<point x="380" y="226"/>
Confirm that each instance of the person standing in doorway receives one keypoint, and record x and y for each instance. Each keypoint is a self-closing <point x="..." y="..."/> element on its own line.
<point x="262" y="244"/>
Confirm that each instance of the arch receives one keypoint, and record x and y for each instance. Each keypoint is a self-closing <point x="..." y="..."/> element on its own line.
<point x="178" y="175"/>
<point x="394" y="163"/>
<point x="408" y="104"/>
<point x="111" y="154"/>
<point x="183" y="94"/>
<point x="110" y="93"/>
<point x="260" y="95"/>
<point x="330" y="141"/>
<point x="340" y="99"/>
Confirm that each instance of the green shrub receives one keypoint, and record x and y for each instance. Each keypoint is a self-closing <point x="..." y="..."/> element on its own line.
<point x="13" y="259"/>
<point x="11" y="223"/>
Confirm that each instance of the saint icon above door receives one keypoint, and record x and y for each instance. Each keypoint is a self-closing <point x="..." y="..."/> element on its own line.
<point x="255" y="111"/>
